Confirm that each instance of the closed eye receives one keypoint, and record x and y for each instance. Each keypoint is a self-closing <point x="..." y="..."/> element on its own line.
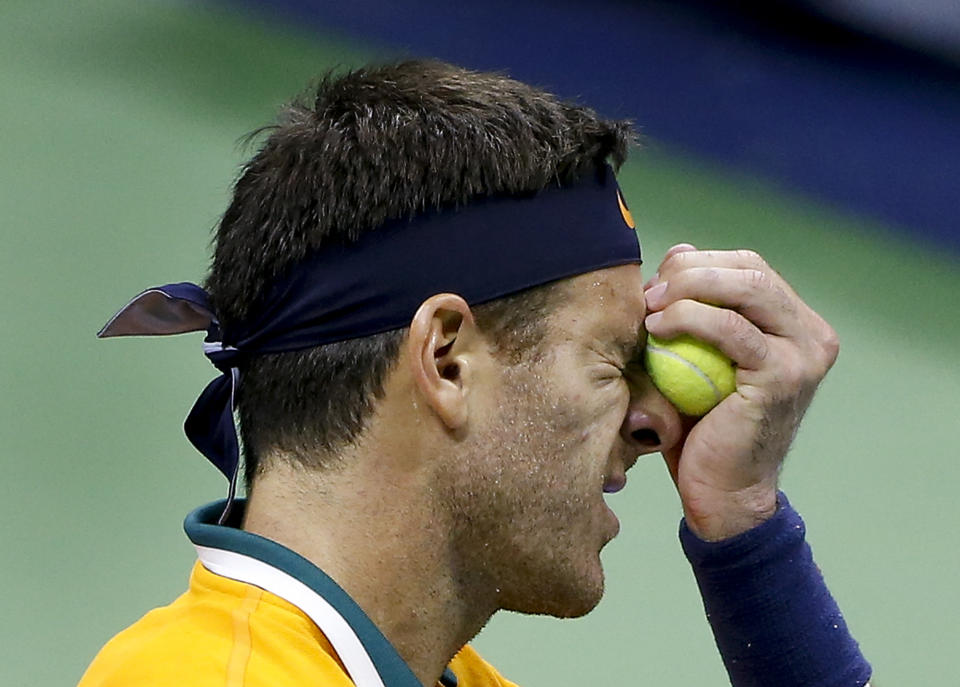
<point x="607" y="372"/>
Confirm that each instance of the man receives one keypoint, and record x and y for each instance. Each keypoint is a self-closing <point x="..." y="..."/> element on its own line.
<point x="427" y="307"/>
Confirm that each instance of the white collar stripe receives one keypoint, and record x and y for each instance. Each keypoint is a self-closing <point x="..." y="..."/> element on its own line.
<point x="341" y="636"/>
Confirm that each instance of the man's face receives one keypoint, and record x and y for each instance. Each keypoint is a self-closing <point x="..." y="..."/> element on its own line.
<point x="530" y="500"/>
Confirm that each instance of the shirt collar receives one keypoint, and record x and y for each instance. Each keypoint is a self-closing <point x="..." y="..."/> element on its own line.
<point x="242" y="555"/>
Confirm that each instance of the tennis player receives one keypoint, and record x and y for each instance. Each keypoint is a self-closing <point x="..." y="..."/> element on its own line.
<point x="427" y="311"/>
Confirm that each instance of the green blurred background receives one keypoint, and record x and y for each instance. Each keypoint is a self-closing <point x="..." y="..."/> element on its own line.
<point x="119" y="125"/>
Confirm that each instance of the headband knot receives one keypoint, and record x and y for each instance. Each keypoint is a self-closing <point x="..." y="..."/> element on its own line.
<point x="223" y="357"/>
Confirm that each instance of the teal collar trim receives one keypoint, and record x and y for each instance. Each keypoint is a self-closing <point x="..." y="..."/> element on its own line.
<point x="200" y="526"/>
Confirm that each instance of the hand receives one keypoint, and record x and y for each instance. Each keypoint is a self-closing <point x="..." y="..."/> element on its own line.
<point x="727" y="467"/>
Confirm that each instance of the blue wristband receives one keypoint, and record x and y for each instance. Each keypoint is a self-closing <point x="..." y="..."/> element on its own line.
<point x="773" y="618"/>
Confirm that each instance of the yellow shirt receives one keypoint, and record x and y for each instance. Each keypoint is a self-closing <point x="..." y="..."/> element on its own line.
<point x="227" y="633"/>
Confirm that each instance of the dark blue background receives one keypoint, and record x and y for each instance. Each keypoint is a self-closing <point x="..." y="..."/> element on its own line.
<point x="865" y="125"/>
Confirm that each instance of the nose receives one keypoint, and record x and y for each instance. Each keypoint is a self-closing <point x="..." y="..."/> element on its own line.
<point x="651" y="423"/>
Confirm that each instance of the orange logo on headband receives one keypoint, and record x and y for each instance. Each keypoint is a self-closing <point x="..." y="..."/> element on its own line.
<point x="625" y="211"/>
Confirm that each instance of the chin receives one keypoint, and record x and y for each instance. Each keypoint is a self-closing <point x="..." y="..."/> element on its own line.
<point x="585" y="602"/>
<point x="576" y="610"/>
<point x="564" y="598"/>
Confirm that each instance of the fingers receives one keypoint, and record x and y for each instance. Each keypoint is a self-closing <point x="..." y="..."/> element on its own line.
<point x="741" y="280"/>
<point x="677" y="260"/>
<point x="680" y="261"/>
<point x="673" y="250"/>
<point x="731" y="299"/>
<point x="753" y="293"/>
<point x="679" y="248"/>
<point x="736" y="336"/>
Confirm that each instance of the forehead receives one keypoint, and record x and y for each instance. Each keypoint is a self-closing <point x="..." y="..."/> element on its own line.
<point x="606" y="306"/>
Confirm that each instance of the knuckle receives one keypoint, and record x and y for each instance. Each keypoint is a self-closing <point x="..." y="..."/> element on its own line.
<point x="756" y="279"/>
<point x="732" y="322"/>
<point x="806" y="372"/>
<point x="745" y="335"/>
<point x="685" y="308"/>
<point x="757" y="346"/>
<point x="674" y="263"/>
<point x="788" y="304"/>
<point x="796" y="374"/>
<point x="830" y="344"/>
<point x="751" y="257"/>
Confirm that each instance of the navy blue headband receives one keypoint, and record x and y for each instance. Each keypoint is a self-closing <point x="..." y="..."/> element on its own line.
<point x="487" y="249"/>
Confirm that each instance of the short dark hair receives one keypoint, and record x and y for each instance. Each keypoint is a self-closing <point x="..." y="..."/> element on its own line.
<point x="361" y="148"/>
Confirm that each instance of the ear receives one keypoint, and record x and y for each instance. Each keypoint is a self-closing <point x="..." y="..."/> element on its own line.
<point x="443" y="345"/>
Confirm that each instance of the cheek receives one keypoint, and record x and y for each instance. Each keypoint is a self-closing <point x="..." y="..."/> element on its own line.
<point x="570" y="429"/>
<point x="598" y="415"/>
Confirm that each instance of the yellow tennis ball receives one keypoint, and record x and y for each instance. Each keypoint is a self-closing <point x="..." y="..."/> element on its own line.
<point x="692" y="374"/>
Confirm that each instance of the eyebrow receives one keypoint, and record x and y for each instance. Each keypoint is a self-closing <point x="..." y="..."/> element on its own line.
<point x="631" y="348"/>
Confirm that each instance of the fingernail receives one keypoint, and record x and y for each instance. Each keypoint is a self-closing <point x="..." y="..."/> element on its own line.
<point x="654" y="295"/>
<point x="653" y="319"/>
<point x="680" y="248"/>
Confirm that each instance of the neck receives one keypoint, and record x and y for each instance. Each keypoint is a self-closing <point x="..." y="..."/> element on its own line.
<point x="388" y="548"/>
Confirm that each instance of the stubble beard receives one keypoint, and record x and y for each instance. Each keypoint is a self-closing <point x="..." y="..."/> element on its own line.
<point x="525" y="537"/>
